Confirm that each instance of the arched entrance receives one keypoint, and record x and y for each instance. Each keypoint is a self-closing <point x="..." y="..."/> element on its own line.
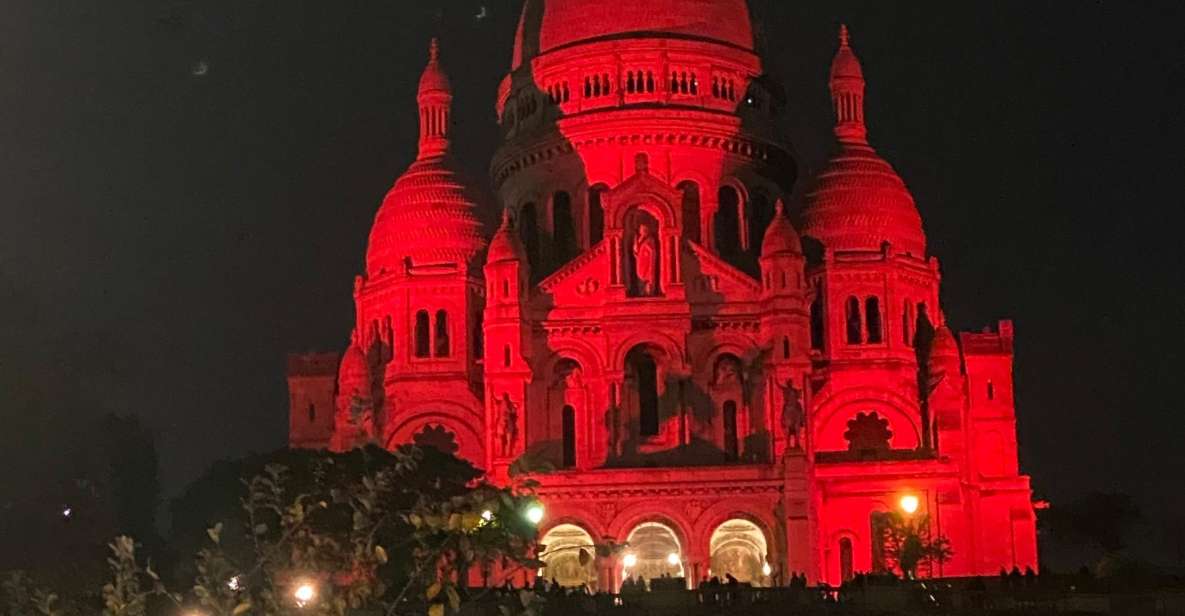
<point x="738" y="548"/>
<point x="565" y="547"/>
<point x="654" y="551"/>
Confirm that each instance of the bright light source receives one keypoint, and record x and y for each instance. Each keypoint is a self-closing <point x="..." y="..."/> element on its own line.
<point x="535" y="514"/>
<point x="487" y="515"/>
<point x="630" y="560"/>
<point x="766" y="569"/>
<point x="234" y="583"/>
<point x="672" y="559"/>
<point x="909" y="503"/>
<point x="67" y="512"/>
<point x="304" y="593"/>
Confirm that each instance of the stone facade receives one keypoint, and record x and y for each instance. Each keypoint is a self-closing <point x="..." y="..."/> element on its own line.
<point x="714" y="389"/>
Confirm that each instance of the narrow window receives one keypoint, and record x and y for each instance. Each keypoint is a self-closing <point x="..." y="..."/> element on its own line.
<point x="853" y="321"/>
<point x="505" y="287"/>
<point x="907" y="324"/>
<point x="646" y="373"/>
<point x="506" y="356"/>
<point x="785" y="347"/>
<point x="479" y="335"/>
<point x="569" y="428"/>
<point x="442" y="343"/>
<point x="991" y="391"/>
<point x="423" y="345"/>
<point x="817" y="321"/>
<point x="731" y="446"/>
<point x="845" y="559"/>
<point x="872" y="316"/>
<point x="565" y="226"/>
<point x="313" y="413"/>
<point x="529" y="232"/>
<point x="596" y="214"/>
<point x="728" y="223"/>
<point x="691" y="211"/>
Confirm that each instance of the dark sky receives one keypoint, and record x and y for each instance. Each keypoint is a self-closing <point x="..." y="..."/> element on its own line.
<point x="167" y="237"/>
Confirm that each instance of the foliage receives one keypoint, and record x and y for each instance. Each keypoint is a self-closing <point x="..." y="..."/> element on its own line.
<point x="909" y="543"/>
<point x="23" y="598"/>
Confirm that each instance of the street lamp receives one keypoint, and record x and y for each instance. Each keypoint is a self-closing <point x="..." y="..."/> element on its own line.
<point x="535" y="513"/>
<point x="672" y="559"/>
<point x="766" y="569"/>
<point x="630" y="560"/>
<point x="304" y="593"/>
<point x="909" y="504"/>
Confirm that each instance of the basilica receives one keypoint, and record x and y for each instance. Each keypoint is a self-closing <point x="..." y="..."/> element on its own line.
<point x="726" y="380"/>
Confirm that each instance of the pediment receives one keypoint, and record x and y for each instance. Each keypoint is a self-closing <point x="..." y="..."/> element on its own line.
<point x="710" y="279"/>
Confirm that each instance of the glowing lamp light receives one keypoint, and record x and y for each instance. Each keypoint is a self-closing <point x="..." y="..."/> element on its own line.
<point x="535" y="514"/>
<point x="67" y="512"/>
<point x="234" y="583"/>
<point x="488" y="515"/>
<point x="672" y="559"/>
<point x="766" y="569"/>
<point x="630" y="560"/>
<point x="909" y="503"/>
<point x="304" y="593"/>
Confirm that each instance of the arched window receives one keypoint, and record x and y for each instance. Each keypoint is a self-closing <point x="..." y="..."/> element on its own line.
<point x="845" y="559"/>
<point x="691" y="210"/>
<point x="312" y="413"/>
<point x="760" y="213"/>
<point x="423" y="334"/>
<point x="569" y="430"/>
<point x="854" y="325"/>
<point x="479" y="335"/>
<point x="596" y="214"/>
<point x="738" y="548"/>
<point x="442" y="343"/>
<point x="728" y="223"/>
<point x="565" y="226"/>
<point x="528" y="229"/>
<point x="991" y="391"/>
<point x="643" y="371"/>
<point x="506" y="356"/>
<point x="731" y="446"/>
<point x="785" y="347"/>
<point x="505" y="287"/>
<point x="872" y="316"/>
<point x="817" y="321"/>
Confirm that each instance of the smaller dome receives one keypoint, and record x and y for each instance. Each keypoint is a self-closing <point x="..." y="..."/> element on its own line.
<point x="354" y="371"/>
<point x="434" y="79"/>
<point x="780" y="236"/>
<point x="505" y="245"/>
<point x="845" y="64"/>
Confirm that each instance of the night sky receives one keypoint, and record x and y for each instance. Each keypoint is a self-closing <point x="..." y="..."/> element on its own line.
<point x="186" y="189"/>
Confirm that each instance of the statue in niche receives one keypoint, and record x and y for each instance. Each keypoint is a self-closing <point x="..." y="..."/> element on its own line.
<point x="573" y="378"/>
<point x="615" y="420"/>
<point x="793" y="417"/>
<point x="728" y="372"/>
<point x="507" y="427"/>
<point x="645" y="256"/>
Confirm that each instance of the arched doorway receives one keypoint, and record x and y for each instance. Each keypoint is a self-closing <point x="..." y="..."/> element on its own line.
<point x="568" y="556"/>
<point x="738" y="548"/>
<point x="654" y="551"/>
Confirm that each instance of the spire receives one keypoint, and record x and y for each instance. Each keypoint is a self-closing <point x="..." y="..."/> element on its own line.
<point x="435" y="100"/>
<point x="847" y="92"/>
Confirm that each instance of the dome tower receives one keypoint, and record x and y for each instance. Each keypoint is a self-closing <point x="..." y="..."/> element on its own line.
<point x="678" y="82"/>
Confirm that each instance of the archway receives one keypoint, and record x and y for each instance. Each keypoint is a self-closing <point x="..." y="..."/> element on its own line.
<point x="738" y="548"/>
<point x="654" y="551"/>
<point x="565" y="546"/>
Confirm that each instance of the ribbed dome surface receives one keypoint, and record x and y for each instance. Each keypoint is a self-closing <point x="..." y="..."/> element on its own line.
<point x="859" y="202"/>
<point x="427" y="217"/>
<point x="550" y="24"/>
<point x="353" y="371"/>
<point x="780" y="236"/>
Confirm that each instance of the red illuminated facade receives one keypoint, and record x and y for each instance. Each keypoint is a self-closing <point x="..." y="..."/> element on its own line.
<point x="722" y="391"/>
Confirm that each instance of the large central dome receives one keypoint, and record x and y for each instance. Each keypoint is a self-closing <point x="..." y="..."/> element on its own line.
<point x="553" y="24"/>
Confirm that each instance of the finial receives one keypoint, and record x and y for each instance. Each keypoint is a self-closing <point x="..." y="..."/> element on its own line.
<point x="843" y="35"/>
<point x="433" y="49"/>
<point x="778" y="208"/>
<point x="506" y="222"/>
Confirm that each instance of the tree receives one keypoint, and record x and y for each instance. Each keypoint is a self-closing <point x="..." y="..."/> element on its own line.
<point x="907" y="542"/>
